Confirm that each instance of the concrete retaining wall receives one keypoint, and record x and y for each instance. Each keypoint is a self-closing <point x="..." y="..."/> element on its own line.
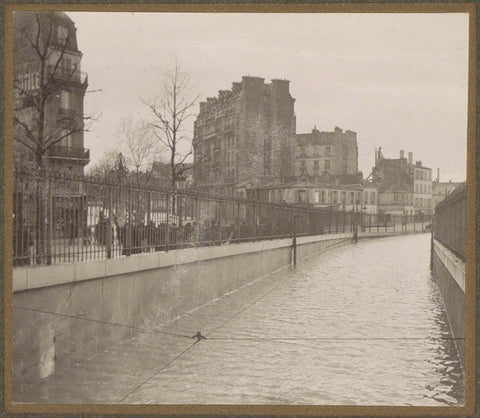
<point x="449" y="271"/>
<point x="63" y="313"/>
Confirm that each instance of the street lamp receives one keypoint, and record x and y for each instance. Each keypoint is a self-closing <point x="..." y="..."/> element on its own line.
<point x="363" y="208"/>
<point x="355" y="230"/>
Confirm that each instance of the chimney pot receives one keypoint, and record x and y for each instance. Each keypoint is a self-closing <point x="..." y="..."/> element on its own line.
<point x="410" y="157"/>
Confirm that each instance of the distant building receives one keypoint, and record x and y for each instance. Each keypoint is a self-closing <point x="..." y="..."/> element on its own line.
<point x="245" y="134"/>
<point x="327" y="154"/>
<point x="162" y="175"/>
<point x="404" y="187"/>
<point x="441" y="190"/>
<point x="64" y="107"/>
<point x="348" y="198"/>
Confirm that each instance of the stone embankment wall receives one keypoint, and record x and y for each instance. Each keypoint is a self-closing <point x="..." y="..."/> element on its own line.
<point x="449" y="271"/>
<point x="448" y="260"/>
<point x="63" y="313"/>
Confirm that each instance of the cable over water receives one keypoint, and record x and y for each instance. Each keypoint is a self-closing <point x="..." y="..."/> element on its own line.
<point x="357" y="325"/>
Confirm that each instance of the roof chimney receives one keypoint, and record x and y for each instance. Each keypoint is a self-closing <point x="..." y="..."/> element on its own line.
<point x="410" y="157"/>
<point x="402" y="154"/>
<point x="438" y="175"/>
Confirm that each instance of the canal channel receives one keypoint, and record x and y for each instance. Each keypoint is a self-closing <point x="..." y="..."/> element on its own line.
<point x="361" y="324"/>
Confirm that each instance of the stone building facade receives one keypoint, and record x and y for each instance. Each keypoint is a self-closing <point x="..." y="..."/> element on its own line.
<point x="404" y="187"/>
<point x="440" y="190"/>
<point x="245" y="135"/>
<point x="62" y="80"/>
<point x="326" y="153"/>
<point x="341" y="197"/>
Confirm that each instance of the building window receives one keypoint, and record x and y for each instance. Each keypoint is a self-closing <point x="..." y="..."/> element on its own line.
<point x="327" y="164"/>
<point x="67" y="139"/>
<point x="303" y="167"/>
<point x="315" y="165"/>
<point x="65" y="100"/>
<point x="302" y="197"/>
<point x="62" y="33"/>
<point x="327" y="151"/>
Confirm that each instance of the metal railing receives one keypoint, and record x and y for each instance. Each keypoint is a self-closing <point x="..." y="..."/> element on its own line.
<point x="62" y="220"/>
<point x="61" y="151"/>
<point x="66" y="74"/>
<point x="449" y="224"/>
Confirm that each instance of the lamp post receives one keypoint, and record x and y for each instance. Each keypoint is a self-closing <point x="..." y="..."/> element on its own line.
<point x="355" y="225"/>
<point x="363" y="209"/>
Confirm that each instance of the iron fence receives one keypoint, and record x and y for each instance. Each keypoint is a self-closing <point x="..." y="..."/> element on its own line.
<point x="63" y="220"/>
<point x="449" y="224"/>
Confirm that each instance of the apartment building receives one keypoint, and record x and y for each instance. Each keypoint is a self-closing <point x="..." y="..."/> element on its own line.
<point x="245" y="134"/>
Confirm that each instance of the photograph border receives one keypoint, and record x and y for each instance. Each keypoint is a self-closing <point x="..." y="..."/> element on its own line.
<point x="469" y="407"/>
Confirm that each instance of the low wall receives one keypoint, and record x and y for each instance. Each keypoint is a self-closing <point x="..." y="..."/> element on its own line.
<point x="62" y="313"/>
<point x="449" y="271"/>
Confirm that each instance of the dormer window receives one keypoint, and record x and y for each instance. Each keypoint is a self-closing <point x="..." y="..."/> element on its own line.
<point x="62" y="33"/>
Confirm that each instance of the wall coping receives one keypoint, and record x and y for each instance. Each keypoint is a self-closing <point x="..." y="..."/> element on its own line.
<point x="34" y="277"/>
<point x="452" y="263"/>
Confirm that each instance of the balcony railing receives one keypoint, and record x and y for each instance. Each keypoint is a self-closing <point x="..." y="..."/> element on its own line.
<point x="60" y="151"/>
<point x="27" y="76"/>
<point x="67" y="74"/>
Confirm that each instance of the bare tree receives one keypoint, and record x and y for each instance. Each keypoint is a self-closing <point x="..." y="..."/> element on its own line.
<point x="140" y="148"/>
<point x="41" y="76"/>
<point x="45" y="72"/>
<point x="171" y="109"/>
<point x="103" y="169"/>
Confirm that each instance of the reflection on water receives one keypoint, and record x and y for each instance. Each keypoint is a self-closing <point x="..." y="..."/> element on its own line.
<point x="357" y="325"/>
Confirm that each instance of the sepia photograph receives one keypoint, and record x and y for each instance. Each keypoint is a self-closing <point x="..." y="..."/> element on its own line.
<point x="239" y="208"/>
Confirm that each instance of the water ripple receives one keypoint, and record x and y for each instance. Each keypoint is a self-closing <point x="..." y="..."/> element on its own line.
<point x="358" y="325"/>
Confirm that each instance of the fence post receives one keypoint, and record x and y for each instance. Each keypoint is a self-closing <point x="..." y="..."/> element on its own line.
<point x="109" y="225"/>
<point x="238" y="221"/>
<point x="254" y="221"/>
<point x="167" y="237"/>
<point x="271" y="221"/>
<point x="48" y="249"/>
<point x="431" y="244"/>
<point x="197" y="223"/>
<point x="294" y="244"/>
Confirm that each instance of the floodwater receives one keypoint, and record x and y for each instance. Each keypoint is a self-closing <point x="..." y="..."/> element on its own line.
<point x="360" y="324"/>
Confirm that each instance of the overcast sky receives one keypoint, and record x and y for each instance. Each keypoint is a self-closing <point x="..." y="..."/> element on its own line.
<point x="398" y="80"/>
